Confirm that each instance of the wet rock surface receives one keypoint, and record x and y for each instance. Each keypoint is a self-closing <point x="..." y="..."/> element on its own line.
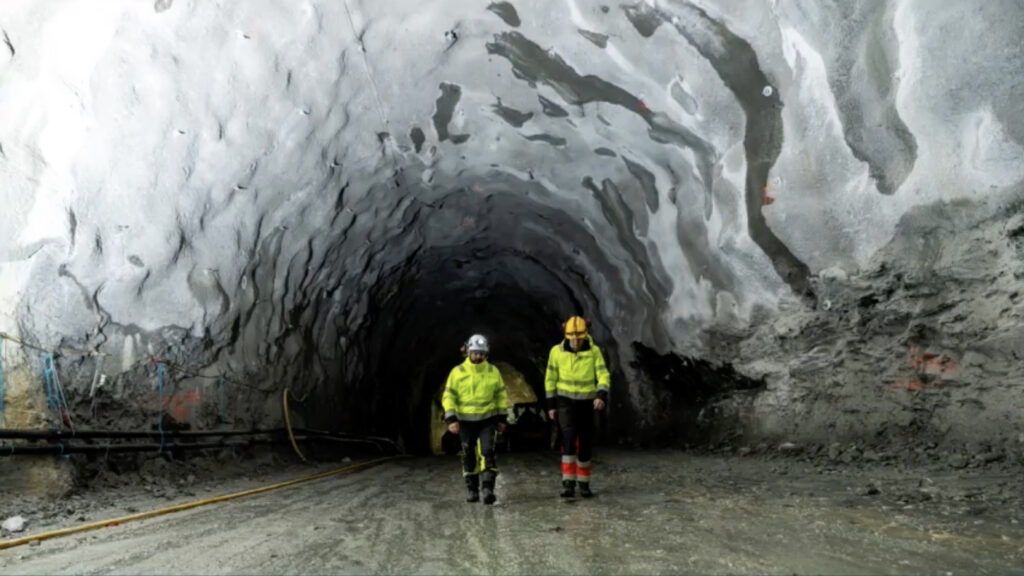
<point x="655" y="512"/>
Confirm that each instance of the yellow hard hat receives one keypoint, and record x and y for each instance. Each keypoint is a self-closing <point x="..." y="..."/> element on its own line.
<point x="575" y="327"/>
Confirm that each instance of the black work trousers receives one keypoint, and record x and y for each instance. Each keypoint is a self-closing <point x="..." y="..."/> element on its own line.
<point x="576" y="420"/>
<point x="486" y="432"/>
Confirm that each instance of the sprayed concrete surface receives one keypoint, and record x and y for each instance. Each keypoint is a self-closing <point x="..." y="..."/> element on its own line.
<point x="656" y="512"/>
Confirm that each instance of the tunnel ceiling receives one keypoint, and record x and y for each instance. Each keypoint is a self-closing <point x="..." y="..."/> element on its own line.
<point x="320" y="195"/>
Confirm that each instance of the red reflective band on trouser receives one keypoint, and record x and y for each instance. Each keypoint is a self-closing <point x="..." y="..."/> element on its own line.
<point x="568" y="467"/>
<point x="583" y="471"/>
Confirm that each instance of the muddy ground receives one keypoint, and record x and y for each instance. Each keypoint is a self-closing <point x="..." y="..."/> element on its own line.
<point x="788" y="511"/>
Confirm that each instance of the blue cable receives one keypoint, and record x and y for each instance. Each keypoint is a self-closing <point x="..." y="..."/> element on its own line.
<point x="2" y="392"/>
<point x="46" y="381"/>
<point x="51" y="401"/>
<point x="160" y="407"/>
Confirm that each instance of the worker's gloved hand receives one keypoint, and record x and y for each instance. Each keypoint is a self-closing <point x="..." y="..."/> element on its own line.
<point x="598" y="404"/>
<point x="551" y="414"/>
<point x="501" y="427"/>
<point x="454" y="427"/>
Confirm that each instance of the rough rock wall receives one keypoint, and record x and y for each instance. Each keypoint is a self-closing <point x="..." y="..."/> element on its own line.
<point x="279" y="193"/>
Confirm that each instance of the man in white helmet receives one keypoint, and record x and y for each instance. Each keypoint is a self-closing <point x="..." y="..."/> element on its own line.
<point x="475" y="407"/>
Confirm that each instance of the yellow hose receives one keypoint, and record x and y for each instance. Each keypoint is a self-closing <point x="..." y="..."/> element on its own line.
<point x="288" y="424"/>
<point x="141" y="515"/>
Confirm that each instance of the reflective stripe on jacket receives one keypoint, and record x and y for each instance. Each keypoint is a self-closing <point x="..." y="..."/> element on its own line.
<point x="578" y="375"/>
<point x="474" y="392"/>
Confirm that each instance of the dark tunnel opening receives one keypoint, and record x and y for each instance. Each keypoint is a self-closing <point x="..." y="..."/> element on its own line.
<point x="432" y="306"/>
<point x="504" y="264"/>
<point x="507" y="265"/>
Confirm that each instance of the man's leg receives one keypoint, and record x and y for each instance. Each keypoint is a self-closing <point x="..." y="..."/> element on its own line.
<point x="584" y="412"/>
<point x="566" y="420"/>
<point x="488" y="438"/>
<point x="468" y="433"/>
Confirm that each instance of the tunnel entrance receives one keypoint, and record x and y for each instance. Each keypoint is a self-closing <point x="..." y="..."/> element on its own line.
<point x="423" y="312"/>
<point x="499" y="261"/>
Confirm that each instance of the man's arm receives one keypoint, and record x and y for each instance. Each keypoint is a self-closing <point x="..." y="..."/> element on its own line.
<point x="501" y="399"/>
<point x="604" y="379"/>
<point x="449" y="401"/>
<point x="550" y="383"/>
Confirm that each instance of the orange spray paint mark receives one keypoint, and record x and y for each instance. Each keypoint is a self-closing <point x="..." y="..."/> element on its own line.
<point x="927" y="370"/>
<point x="179" y="405"/>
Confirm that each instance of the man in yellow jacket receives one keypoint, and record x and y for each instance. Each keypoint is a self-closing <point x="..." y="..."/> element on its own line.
<point x="576" y="384"/>
<point x="476" y="407"/>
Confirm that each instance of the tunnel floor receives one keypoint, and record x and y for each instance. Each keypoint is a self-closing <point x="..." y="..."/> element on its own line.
<point x="656" y="512"/>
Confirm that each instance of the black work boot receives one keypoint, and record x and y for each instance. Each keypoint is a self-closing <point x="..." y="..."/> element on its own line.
<point x="488" y="493"/>
<point x="488" y="488"/>
<point x="568" y="489"/>
<point x="585" y="490"/>
<point x="473" y="484"/>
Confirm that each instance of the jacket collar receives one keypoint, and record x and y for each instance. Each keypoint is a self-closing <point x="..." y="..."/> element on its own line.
<point x="481" y="367"/>
<point x="587" y="342"/>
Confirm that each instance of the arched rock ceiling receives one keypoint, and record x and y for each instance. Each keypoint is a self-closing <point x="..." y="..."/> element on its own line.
<point x="259" y="188"/>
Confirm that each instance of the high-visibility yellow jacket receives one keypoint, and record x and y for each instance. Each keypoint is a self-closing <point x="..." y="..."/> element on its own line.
<point x="579" y="375"/>
<point x="474" y="392"/>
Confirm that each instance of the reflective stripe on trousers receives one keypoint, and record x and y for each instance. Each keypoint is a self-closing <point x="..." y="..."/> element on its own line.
<point x="583" y="471"/>
<point x="568" y="467"/>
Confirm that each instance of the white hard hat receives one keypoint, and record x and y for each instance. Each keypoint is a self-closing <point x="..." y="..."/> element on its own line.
<point x="477" y="343"/>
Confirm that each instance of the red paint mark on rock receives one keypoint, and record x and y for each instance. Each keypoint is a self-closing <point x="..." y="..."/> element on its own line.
<point x="179" y="406"/>
<point x="927" y="370"/>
